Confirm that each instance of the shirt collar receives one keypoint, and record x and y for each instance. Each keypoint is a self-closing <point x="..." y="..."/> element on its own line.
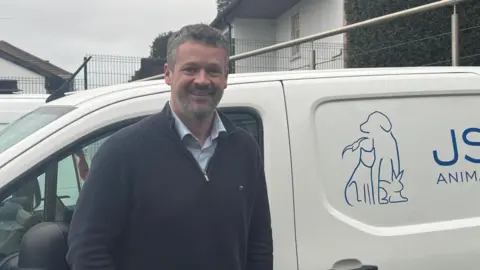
<point x="183" y="130"/>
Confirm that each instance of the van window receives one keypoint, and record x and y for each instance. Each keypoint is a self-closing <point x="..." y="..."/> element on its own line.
<point x="25" y="204"/>
<point x="29" y="123"/>
<point x="248" y="121"/>
<point x="20" y="210"/>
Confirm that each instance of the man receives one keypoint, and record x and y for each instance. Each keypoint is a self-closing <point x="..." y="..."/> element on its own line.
<point x="183" y="189"/>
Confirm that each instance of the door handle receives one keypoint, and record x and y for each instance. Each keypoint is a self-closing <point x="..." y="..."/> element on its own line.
<point x="352" y="264"/>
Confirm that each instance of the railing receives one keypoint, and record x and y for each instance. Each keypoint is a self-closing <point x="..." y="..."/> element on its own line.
<point x="327" y="56"/>
<point x="345" y="29"/>
<point x="105" y="70"/>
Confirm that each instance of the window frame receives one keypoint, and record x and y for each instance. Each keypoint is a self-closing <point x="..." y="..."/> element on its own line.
<point x="254" y="114"/>
<point x="295" y="34"/>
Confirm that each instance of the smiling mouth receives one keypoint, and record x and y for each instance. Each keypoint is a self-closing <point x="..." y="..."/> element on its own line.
<point x="202" y="94"/>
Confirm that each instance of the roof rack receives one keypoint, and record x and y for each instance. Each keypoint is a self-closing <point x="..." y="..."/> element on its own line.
<point x="344" y="29"/>
<point x="60" y="92"/>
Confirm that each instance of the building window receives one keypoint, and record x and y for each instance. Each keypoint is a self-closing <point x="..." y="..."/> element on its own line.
<point x="295" y="33"/>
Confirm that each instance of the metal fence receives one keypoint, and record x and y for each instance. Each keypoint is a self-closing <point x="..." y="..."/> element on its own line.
<point x="104" y="70"/>
<point x="37" y="85"/>
<point x="325" y="56"/>
<point x="101" y="70"/>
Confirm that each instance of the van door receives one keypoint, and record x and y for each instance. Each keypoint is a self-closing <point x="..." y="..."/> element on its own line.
<point x="266" y="99"/>
<point x="257" y="108"/>
<point x="384" y="170"/>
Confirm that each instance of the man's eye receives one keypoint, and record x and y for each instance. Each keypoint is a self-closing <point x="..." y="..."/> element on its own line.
<point x="190" y="70"/>
<point x="214" y="71"/>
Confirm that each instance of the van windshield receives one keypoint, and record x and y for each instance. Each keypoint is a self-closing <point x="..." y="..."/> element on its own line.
<point x="29" y="124"/>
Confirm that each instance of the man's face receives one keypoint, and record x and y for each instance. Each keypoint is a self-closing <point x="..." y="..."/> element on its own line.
<point x="197" y="79"/>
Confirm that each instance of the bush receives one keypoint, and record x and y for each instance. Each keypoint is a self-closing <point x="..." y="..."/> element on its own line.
<point x="416" y="40"/>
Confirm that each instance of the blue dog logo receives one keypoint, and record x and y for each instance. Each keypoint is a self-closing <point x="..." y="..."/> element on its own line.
<point x="377" y="177"/>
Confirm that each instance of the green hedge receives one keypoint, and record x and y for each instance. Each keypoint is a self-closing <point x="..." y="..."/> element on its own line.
<point x="412" y="41"/>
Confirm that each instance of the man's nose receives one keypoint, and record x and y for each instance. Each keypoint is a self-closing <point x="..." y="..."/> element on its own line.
<point x="201" y="77"/>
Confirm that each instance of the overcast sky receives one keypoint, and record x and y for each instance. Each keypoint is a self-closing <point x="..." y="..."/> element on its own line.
<point x="62" y="32"/>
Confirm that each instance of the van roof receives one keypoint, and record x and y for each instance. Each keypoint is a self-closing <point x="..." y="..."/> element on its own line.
<point x="153" y="86"/>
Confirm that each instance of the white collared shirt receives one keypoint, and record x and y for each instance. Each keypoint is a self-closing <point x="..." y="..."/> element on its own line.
<point x="201" y="153"/>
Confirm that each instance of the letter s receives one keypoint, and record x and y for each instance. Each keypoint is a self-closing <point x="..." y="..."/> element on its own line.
<point x="468" y="142"/>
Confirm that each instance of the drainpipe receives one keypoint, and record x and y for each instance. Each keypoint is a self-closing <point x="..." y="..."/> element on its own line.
<point x="230" y="42"/>
<point x="229" y="30"/>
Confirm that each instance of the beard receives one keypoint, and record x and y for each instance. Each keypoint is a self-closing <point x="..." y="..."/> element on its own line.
<point x="198" y="103"/>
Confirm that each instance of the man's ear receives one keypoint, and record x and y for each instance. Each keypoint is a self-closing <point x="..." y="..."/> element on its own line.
<point x="168" y="74"/>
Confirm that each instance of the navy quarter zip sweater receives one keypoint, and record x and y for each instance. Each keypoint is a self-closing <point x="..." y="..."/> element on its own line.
<point x="147" y="205"/>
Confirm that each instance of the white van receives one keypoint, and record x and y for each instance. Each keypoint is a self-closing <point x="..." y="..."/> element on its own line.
<point x="13" y="106"/>
<point x="377" y="165"/>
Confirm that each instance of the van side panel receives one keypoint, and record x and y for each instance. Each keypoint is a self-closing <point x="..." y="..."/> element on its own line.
<point x="385" y="170"/>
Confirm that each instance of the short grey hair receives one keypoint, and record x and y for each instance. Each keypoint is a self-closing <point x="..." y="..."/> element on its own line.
<point x="201" y="33"/>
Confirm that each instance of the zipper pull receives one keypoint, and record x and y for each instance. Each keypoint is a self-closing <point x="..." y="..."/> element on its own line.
<point x="206" y="176"/>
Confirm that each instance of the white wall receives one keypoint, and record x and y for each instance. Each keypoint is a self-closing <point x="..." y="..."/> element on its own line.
<point x="315" y="16"/>
<point x="28" y="81"/>
<point x="251" y="34"/>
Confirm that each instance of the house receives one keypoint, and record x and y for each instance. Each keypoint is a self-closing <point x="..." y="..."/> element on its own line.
<point x="33" y="75"/>
<point x="253" y="24"/>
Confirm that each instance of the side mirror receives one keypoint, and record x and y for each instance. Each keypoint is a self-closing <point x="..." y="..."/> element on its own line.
<point x="352" y="264"/>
